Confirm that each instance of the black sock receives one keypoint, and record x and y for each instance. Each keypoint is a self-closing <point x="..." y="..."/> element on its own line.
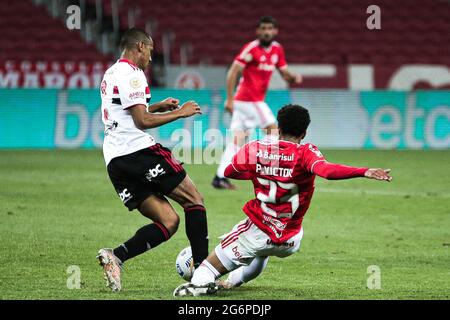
<point x="197" y="232"/>
<point x="146" y="238"/>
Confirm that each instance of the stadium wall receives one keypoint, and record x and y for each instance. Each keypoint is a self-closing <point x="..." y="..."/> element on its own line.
<point x="51" y="118"/>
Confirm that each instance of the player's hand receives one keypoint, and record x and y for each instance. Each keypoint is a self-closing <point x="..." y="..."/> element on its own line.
<point x="297" y="78"/>
<point x="189" y="109"/>
<point x="169" y="104"/>
<point x="229" y="106"/>
<point x="378" y="174"/>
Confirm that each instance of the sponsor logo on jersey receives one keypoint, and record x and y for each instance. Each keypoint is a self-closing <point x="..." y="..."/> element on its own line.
<point x="266" y="67"/>
<point x="153" y="173"/>
<point x="274" y="230"/>
<point x="136" y="95"/>
<point x="277" y="157"/>
<point x="274" y="222"/>
<point x="274" y="171"/>
<point x="125" y="196"/>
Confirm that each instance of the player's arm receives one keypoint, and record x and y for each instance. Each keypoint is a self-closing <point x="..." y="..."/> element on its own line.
<point x="146" y="120"/>
<point x="242" y="164"/>
<point x="168" y="104"/>
<point x="232" y="76"/>
<point x="333" y="171"/>
<point x="289" y="76"/>
<point x="232" y="173"/>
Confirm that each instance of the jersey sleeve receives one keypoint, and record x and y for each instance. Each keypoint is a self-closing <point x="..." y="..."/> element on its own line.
<point x="245" y="159"/>
<point x="132" y="89"/>
<point x="245" y="56"/>
<point x="281" y="63"/>
<point x="311" y="157"/>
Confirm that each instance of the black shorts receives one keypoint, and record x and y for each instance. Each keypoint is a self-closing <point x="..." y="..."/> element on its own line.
<point x="152" y="170"/>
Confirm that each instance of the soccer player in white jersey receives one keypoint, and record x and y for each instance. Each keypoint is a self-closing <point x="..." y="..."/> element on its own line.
<point x="256" y="62"/>
<point x="144" y="173"/>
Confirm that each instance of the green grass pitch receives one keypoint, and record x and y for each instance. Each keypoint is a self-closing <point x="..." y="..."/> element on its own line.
<point x="57" y="208"/>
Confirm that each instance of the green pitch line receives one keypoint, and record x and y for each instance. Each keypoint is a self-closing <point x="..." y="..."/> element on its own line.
<point x="57" y="208"/>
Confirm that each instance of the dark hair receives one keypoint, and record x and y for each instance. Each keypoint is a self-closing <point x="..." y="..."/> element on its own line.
<point x="267" y="19"/>
<point x="293" y="120"/>
<point x="133" y="36"/>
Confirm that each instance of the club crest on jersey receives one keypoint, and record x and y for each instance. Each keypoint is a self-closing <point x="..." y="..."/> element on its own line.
<point x="153" y="173"/>
<point x="274" y="59"/>
<point x="135" y="83"/>
<point x="315" y="150"/>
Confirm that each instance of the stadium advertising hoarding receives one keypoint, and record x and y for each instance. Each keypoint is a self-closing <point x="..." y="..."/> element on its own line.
<point x="51" y="118"/>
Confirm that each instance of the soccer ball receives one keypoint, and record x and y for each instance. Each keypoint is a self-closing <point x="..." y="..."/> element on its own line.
<point x="185" y="264"/>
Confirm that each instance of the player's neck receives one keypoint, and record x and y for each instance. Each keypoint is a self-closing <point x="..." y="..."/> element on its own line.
<point x="130" y="56"/>
<point x="290" y="139"/>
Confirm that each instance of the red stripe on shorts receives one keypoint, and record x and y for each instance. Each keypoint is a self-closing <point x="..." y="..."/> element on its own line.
<point x="232" y="237"/>
<point x="171" y="160"/>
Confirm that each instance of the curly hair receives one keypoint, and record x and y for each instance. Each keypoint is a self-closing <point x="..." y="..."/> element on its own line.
<point x="293" y="120"/>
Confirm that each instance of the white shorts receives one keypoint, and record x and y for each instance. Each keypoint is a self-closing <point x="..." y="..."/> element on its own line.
<point x="246" y="241"/>
<point x="251" y="115"/>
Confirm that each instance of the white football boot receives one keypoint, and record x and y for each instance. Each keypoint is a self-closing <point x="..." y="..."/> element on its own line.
<point x="112" y="267"/>
<point x="189" y="289"/>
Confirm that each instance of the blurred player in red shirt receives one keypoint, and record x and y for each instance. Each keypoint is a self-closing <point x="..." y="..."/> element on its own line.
<point x="256" y="62"/>
<point x="282" y="173"/>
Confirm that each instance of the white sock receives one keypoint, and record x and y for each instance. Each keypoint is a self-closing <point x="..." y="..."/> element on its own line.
<point x="204" y="274"/>
<point x="247" y="273"/>
<point x="230" y="150"/>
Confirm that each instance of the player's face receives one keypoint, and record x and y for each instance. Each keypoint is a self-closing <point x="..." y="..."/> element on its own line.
<point x="147" y="51"/>
<point x="266" y="32"/>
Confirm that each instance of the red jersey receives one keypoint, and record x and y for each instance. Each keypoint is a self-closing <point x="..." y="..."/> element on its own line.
<point x="283" y="181"/>
<point x="283" y="176"/>
<point x="258" y="63"/>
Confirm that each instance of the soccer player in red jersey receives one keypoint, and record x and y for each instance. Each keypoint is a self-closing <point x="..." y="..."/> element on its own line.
<point x="256" y="62"/>
<point x="282" y="174"/>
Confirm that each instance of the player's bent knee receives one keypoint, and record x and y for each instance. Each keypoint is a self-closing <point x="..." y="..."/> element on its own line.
<point x="172" y="224"/>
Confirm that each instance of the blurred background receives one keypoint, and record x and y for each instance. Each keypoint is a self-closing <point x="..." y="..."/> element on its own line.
<point x="366" y="88"/>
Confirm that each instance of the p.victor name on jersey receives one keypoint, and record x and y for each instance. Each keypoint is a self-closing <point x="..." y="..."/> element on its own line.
<point x="274" y="171"/>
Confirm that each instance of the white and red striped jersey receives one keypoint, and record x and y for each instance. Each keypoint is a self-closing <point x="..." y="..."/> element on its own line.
<point x="124" y="85"/>
<point x="259" y="63"/>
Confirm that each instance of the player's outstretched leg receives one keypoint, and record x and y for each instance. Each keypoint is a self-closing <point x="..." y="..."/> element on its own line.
<point x="244" y="274"/>
<point x="165" y="224"/>
<point x="187" y="195"/>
